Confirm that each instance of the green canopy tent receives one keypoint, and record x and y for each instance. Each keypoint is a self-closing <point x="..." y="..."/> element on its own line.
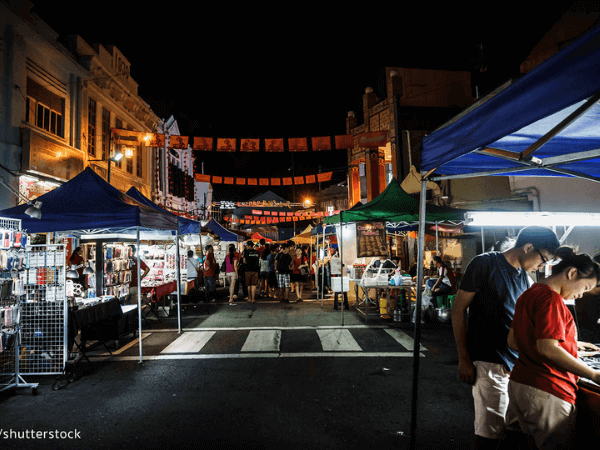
<point x="395" y="206"/>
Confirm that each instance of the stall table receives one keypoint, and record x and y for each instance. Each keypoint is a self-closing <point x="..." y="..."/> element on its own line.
<point x="363" y="301"/>
<point x="158" y="296"/>
<point x="588" y="406"/>
<point x="104" y="322"/>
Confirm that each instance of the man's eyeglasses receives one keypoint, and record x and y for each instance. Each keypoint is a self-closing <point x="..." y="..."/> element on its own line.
<point x="547" y="262"/>
<point x="544" y="260"/>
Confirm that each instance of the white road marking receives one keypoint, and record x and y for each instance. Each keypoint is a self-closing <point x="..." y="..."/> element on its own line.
<point x="404" y="339"/>
<point x="189" y="342"/>
<point x="260" y="355"/>
<point x="262" y="341"/>
<point x="338" y="340"/>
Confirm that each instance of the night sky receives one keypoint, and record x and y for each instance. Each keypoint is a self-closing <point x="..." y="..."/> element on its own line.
<point x="280" y="72"/>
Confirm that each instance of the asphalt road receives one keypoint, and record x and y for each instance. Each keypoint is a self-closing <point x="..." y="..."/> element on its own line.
<point x="221" y="396"/>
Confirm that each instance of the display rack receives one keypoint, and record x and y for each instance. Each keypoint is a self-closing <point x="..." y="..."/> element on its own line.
<point x="12" y="298"/>
<point x="44" y="314"/>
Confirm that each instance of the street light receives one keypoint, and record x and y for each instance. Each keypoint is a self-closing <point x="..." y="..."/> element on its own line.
<point x="115" y="158"/>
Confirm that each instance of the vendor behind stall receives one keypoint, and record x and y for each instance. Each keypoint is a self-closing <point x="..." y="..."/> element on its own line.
<point x="133" y="284"/>
<point x="444" y="284"/>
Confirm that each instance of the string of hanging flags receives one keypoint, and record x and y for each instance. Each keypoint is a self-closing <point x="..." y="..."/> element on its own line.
<point x="372" y="139"/>
<point x="278" y="181"/>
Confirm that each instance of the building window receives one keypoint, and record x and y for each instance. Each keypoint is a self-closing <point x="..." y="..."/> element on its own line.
<point x="92" y="127"/>
<point x="129" y="164"/>
<point x="138" y="162"/>
<point x="105" y="133"/>
<point x="44" y="109"/>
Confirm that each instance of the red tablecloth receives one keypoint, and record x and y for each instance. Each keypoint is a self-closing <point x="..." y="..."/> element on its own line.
<point x="158" y="292"/>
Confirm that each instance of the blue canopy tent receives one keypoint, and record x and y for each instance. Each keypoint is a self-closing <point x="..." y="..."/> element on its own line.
<point x="544" y="124"/>
<point x="86" y="204"/>
<point x="185" y="225"/>
<point x="222" y="232"/>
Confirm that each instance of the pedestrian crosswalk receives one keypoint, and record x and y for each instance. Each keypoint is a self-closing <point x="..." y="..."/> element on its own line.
<point x="294" y="342"/>
<point x="264" y="342"/>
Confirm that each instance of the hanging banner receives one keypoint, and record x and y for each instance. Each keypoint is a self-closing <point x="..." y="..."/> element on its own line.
<point x="252" y="182"/>
<point x="370" y="237"/>
<point x="373" y="140"/>
<point x="275" y="182"/>
<point x="263" y="181"/>
<point x="287" y="181"/>
<point x="274" y="145"/>
<point x="203" y="143"/>
<point x="225" y="145"/>
<point x="310" y="179"/>
<point x="321" y="177"/>
<point x="298" y="180"/>
<point x="178" y="142"/>
<point x="249" y="145"/>
<point x="298" y="144"/>
<point x="240" y="181"/>
<point x="156" y="140"/>
<point x="202" y="178"/>
<point x="217" y="180"/>
<point x="345" y="141"/>
<point x="321" y="143"/>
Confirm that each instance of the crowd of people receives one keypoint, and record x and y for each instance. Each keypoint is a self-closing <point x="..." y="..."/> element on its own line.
<point x="266" y="271"/>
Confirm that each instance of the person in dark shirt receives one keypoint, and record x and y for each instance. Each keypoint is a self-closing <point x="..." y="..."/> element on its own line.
<point x="251" y="259"/>
<point x="490" y="287"/>
<point x="283" y="269"/>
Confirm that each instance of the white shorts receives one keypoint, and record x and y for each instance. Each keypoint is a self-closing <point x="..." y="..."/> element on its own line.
<point x="549" y="419"/>
<point x="490" y="394"/>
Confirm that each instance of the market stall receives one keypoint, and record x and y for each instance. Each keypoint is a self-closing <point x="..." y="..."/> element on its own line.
<point x="87" y="204"/>
<point x="366" y="238"/>
<point x="164" y="270"/>
<point x="555" y="133"/>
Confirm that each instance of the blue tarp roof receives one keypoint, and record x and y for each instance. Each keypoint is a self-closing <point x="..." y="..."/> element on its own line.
<point x="87" y="202"/>
<point x="517" y="116"/>
<point x="186" y="226"/>
<point x="222" y="232"/>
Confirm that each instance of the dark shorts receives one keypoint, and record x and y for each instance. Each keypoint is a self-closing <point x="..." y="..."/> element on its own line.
<point x="251" y="278"/>
<point x="263" y="275"/>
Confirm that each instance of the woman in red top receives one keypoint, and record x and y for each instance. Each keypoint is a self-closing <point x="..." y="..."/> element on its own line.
<point x="543" y="383"/>
<point x="299" y="261"/>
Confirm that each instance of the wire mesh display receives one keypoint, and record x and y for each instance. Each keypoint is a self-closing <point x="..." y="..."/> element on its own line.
<point x="44" y="313"/>
<point x="12" y="299"/>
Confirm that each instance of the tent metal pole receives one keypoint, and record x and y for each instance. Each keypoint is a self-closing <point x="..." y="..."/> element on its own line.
<point x="323" y="268"/>
<point x="178" y="278"/>
<point x="340" y="244"/>
<point x="139" y="293"/>
<point x="417" y="336"/>
<point x="437" y="240"/>
<point x="482" y="241"/>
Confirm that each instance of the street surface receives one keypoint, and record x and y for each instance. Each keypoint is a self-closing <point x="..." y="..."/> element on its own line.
<point x="264" y="376"/>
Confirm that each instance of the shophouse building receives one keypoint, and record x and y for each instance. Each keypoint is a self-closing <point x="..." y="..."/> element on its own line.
<point x="60" y="98"/>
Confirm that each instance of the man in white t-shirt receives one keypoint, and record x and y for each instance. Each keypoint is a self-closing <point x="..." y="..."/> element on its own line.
<point x="192" y="267"/>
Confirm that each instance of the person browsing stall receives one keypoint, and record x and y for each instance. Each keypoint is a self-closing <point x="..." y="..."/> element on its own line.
<point x="543" y="384"/>
<point x="489" y="289"/>
<point x="133" y="284"/>
<point x="210" y="271"/>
